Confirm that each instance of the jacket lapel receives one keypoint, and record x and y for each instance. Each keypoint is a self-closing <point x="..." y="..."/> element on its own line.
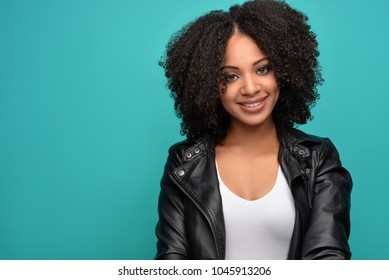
<point x="201" y="183"/>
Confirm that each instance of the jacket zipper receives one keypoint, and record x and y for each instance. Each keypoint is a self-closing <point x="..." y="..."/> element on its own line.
<point x="202" y="212"/>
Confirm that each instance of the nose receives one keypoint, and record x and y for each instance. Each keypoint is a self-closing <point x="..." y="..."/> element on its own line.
<point x="250" y="86"/>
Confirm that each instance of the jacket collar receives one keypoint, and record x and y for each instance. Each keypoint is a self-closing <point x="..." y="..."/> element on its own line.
<point x="293" y="155"/>
<point x="295" y="141"/>
<point x="292" y="152"/>
<point x="198" y="161"/>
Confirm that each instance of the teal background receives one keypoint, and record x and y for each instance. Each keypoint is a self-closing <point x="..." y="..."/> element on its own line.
<point x="86" y="120"/>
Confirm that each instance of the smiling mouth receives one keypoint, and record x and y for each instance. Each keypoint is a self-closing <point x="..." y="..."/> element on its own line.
<point x="253" y="104"/>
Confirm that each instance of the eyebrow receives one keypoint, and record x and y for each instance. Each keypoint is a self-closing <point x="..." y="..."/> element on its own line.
<point x="237" y="68"/>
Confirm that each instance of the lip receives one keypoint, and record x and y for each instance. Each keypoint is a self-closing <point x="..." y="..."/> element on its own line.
<point x="253" y="106"/>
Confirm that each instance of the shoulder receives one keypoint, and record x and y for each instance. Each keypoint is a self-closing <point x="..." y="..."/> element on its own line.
<point x="294" y="135"/>
<point x="303" y="143"/>
<point x="188" y="149"/>
<point x="190" y="143"/>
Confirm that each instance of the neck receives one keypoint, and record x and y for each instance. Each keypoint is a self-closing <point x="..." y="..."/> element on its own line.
<point x="253" y="139"/>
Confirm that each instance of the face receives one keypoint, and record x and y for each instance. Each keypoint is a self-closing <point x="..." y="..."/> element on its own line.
<point x="248" y="89"/>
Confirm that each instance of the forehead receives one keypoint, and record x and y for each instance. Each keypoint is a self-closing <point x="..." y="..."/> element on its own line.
<point x="242" y="49"/>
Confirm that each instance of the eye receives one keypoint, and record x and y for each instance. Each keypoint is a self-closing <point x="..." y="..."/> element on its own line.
<point x="263" y="70"/>
<point x="229" y="77"/>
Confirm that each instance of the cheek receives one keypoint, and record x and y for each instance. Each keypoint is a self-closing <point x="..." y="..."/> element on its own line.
<point x="225" y="100"/>
<point x="274" y="88"/>
<point x="222" y="98"/>
<point x="277" y="91"/>
<point x="277" y="97"/>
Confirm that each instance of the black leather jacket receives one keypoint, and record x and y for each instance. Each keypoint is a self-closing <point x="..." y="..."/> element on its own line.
<point x="191" y="223"/>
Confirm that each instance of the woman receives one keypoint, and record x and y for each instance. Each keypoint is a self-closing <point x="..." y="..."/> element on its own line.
<point x="246" y="184"/>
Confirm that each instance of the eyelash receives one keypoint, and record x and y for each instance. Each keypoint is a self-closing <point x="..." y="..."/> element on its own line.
<point x="265" y="68"/>
<point x="230" y="77"/>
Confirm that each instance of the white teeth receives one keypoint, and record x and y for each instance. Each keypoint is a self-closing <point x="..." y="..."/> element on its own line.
<point x="252" y="104"/>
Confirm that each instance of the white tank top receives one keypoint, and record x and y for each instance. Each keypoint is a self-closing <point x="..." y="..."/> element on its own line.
<point x="259" y="229"/>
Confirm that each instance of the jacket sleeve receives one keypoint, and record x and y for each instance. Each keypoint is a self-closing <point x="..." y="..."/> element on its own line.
<point x="170" y="230"/>
<point x="329" y="228"/>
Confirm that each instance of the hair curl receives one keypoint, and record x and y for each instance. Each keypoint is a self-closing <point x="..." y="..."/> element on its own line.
<point x="194" y="56"/>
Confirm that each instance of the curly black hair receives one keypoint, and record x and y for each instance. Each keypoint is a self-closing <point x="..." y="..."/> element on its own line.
<point x="194" y="56"/>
